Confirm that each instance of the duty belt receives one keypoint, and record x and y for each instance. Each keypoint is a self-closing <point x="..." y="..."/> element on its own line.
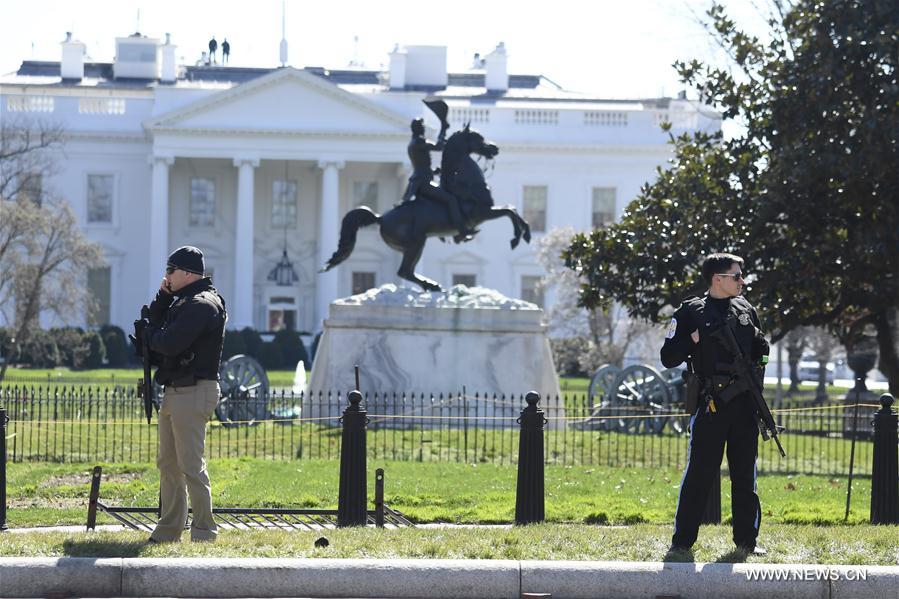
<point x="724" y="387"/>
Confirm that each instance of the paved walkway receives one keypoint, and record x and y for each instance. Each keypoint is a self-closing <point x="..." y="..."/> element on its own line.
<point x="444" y="579"/>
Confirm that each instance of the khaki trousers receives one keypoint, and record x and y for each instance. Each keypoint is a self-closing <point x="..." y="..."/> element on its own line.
<point x="182" y="468"/>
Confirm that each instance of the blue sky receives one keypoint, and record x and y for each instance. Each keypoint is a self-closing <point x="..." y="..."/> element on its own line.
<point x="609" y="49"/>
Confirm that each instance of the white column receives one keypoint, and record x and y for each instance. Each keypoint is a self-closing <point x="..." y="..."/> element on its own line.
<point x="159" y="221"/>
<point x="329" y="228"/>
<point x="240" y="313"/>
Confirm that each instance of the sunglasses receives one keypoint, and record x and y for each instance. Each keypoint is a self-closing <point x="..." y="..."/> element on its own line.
<point x="170" y="269"/>
<point x="738" y="276"/>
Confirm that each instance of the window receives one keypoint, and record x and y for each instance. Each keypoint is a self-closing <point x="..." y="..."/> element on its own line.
<point x="532" y="289"/>
<point x="98" y="283"/>
<point x="284" y="204"/>
<point x="32" y="188"/>
<point x="282" y="314"/>
<point x="362" y="282"/>
<point x="202" y="202"/>
<point x="365" y="193"/>
<point x="464" y="279"/>
<point x="99" y="198"/>
<point x="534" y="205"/>
<point x="603" y="206"/>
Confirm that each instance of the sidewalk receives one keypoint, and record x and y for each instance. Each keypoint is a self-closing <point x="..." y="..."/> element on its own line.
<point x="444" y="579"/>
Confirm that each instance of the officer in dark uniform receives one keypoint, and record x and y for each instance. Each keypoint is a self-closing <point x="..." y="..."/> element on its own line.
<point x="420" y="185"/>
<point x="725" y="414"/>
<point x="185" y="331"/>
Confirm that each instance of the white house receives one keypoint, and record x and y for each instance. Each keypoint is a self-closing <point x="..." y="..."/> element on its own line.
<point x="249" y="162"/>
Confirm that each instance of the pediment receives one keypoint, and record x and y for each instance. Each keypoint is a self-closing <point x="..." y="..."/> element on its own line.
<point x="285" y="101"/>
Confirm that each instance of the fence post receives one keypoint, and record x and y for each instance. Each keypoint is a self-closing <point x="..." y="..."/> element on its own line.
<point x="352" y="502"/>
<point x="712" y="513"/>
<point x="94" y="498"/>
<point x="379" y="498"/>
<point x="529" y="496"/>
<point x="885" y="467"/>
<point x="4" y="420"/>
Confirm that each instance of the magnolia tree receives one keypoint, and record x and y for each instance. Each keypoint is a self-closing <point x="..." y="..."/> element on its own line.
<point x="44" y="257"/>
<point x="807" y="191"/>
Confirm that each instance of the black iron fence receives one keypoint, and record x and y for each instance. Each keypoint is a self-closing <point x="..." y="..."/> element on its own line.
<point x="106" y="424"/>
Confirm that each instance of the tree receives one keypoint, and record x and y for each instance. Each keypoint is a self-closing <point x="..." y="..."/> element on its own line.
<point x="807" y="193"/>
<point x="43" y="255"/>
<point x="597" y="335"/>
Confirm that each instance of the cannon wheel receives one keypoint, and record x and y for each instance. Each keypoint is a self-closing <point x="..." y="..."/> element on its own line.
<point x="244" y="391"/>
<point x="599" y="396"/>
<point x="674" y="378"/>
<point x="641" y="390"/>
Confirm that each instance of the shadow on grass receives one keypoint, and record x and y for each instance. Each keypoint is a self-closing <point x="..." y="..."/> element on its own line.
<point x="679" y="555"/>
<point x="97" y="548"/>
<point x="734" y="556"/>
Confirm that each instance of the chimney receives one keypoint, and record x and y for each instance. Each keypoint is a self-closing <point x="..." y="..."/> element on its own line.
<point x="168" y="72"/>
<point x="397" y="68"/>
<point x="426" y="66"/>
<point x="72" y="64"/>
<point x="497" y="75"/>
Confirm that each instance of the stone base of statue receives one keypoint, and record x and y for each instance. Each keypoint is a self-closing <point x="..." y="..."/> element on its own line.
<point x="468" y="352"/>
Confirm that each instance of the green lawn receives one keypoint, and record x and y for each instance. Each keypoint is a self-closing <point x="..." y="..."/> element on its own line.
<point x="48" y="494"/>
<point x="798" y="544"/>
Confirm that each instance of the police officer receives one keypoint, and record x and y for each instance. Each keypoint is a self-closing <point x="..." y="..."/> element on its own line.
<point x="185" y="329"/>
<point x="725" y="414"/>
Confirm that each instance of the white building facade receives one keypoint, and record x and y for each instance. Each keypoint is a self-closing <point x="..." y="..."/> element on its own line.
<point x="247" y="163"/>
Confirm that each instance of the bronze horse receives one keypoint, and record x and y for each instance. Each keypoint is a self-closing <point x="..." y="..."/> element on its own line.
<point x="407" y="227"/>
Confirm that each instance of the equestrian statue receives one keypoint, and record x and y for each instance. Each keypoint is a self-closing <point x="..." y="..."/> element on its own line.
<point x="454" y="208"/>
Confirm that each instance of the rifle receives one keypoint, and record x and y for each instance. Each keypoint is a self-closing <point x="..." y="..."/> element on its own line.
<point x="145" y="385"/>
<point x="767" y="427"/>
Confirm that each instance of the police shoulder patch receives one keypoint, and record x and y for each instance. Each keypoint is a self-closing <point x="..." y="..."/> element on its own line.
<point x="671" y="329"/>
<point x="743" y="319"/>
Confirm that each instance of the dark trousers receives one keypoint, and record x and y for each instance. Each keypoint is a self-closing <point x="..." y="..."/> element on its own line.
<point x="734" y="425"/>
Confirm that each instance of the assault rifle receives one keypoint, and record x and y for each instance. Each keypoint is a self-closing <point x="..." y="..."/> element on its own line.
<point x="767" y="427"/>
<point x="145" y="385"/>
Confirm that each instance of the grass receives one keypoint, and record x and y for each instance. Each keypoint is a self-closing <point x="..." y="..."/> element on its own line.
<point x="106" y="377"/>
<point x="855" y="545"/>
<point x="51" y="494"/>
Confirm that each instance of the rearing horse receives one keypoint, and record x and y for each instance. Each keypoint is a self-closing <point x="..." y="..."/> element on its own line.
<point x="407" y="227"/>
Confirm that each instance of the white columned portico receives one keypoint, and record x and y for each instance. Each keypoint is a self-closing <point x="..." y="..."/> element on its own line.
<point x="159" y="220"/>
<point x="241" y="312"/>
<point x="329" y="226"/>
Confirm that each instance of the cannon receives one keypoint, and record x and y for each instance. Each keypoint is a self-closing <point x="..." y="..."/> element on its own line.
<point x="636" y="399"/>
<point x="244" y="392"/>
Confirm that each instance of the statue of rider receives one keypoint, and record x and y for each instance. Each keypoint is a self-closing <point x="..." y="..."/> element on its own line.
<point x="420" y="183"/>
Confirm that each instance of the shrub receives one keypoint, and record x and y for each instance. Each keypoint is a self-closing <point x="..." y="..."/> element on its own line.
<point x="292" y="348"/>
<point x="96" y="354"/>
<point x="270" y="356"/>
<point x="72" y="346"/>
<point x="234" y="344"/>
<point x="40" y="350"/>
<point x="252" y="342"/>
<point x="567" y="353"/>
<point x="118" y="349"/>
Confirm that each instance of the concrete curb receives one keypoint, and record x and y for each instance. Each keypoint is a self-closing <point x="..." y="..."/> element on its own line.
<point x="463" y="579"/>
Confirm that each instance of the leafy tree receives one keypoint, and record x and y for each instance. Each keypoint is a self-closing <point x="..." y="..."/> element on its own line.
<point x="807" y="192"/>
<point x="43" y="254"/>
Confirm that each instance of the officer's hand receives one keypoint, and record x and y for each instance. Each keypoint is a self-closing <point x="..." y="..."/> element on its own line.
<point x="164" y="286"/>
<point x="140" y="326"/>
<point x="695" y="336"/>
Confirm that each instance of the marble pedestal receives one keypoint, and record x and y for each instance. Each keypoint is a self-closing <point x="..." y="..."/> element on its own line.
<point x="409" y="342"/>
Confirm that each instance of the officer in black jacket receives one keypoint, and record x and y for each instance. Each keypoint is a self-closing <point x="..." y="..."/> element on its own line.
<point x="725" y="414"/>
<point x="185" y="330"/>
